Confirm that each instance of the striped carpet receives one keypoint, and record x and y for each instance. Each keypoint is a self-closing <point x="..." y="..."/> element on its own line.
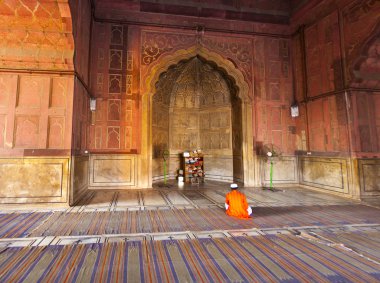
<point x="175" y="220"/>
<point x="366" y="243"/>
<point x="280" y="258"/>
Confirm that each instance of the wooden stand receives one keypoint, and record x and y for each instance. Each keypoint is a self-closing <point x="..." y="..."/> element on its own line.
<point x="194" y="168"/>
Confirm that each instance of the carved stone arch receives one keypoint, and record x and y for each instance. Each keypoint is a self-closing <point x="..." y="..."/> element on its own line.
<point x="163" y="64"/>
<point x="153" y="74"/>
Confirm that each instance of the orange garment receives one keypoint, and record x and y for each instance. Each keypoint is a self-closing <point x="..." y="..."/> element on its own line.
<point x="237" y="204"/>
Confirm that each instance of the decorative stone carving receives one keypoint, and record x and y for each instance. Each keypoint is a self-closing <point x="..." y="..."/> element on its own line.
<point x="114" y="84"/>
<point x="59" y="92"/>
<point x="129" y="84"/>
<point x="154" y="44"/>
<point x="200" y="103"/>
<point x="27" y="131"/>
<point x="56" y="132"/>
<point x="116" y="59"/>
<point x="114" y="109"/>
<point x="240" y="50"/>
<point x="113" y="137"/>
<point x="129" y="60"/>
<point x="116" y="35"/>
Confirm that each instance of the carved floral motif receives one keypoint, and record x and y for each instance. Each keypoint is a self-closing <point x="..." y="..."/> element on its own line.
<point x="154" y="44"/>
<point x="238" y="50"/>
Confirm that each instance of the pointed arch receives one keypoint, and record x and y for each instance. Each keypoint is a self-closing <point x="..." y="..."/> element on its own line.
<point x="153" y="74"/>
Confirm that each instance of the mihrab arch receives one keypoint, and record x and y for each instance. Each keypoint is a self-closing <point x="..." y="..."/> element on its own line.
<point x="160" y="66"/>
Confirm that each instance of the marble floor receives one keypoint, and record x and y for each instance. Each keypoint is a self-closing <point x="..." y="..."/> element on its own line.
<point x="293" y="212"/>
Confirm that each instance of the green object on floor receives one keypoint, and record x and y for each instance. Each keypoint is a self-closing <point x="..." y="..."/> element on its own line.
<point x="165" y="155"/>
<point x="271" y="175"/>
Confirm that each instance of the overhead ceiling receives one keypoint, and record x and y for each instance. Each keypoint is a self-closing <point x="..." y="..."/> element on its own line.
<point x="269" y="11"/>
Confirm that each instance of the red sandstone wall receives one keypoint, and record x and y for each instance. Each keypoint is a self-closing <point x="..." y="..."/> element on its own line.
<point x="36" y="87"/>
<point x="35" y="114"/>
<point x="334" y="59"/>
<point x="115" y="83"/>
<point x="274" y="93"/>
<point x="322" y="58"/>
<point x="81" y="13"/>
<point x="122" y="62"/>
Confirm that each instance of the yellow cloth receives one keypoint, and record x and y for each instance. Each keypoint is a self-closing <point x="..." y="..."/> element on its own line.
<point x="237" y="204"/>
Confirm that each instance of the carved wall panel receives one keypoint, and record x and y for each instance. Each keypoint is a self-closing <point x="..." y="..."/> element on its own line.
<point x="59" y="93"/>
<point x="160" y="129"/>
<point x="27" y="131"/>
<point x="112" y="170"/>
<point x="193" y="104"/>
<point x="115" y="80"/>
<point x="56" y="132"/>
<point x="114" y="86"/>
<point x="116" y="34"/>
<point x="327" y="173"/>
<point x="240" y="49"/>
<point x="366" y="121"/>
<point x="34" y="180"/>
<point x="113" y="137"/>
<point x="35" y="112"/>
<point x="284" y="170"/>
<point x="327" y="124"/>
<point x="322" y="42"/>
<point x="114" y="109"/>
<point x="237" y="49"/>
<point x="154" y="44"/>
<point x="274" y="92"/>
<point x="116" y="59"/>
<point x="369" y="174"/>
<point x="129" y="60"/>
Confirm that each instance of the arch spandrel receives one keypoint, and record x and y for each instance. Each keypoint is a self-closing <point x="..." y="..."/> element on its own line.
<point x="152" y="76"/>
<point x="156" y="69"/>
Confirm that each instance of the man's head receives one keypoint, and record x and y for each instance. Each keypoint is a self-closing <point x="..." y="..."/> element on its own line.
<point x="234" y="186"/>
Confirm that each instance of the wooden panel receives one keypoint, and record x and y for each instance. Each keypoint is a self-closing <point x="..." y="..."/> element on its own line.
<point x="33" y="180"/>
<point x="112" y="170"/>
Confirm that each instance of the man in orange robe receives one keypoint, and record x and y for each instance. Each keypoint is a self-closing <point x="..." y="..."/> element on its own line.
<point x="236" y="203"/>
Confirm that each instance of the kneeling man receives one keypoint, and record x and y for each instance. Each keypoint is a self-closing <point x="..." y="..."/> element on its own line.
<point x="236" y="203"/>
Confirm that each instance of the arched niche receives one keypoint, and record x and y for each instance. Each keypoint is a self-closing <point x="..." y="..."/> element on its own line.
<point x="244" y="109"/>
